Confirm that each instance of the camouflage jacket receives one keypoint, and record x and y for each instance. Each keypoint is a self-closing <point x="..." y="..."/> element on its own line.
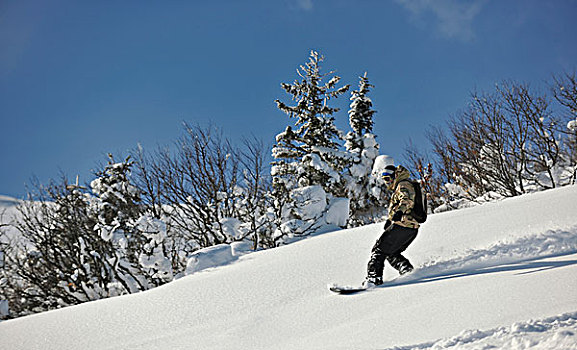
<point x="403" y="198"/>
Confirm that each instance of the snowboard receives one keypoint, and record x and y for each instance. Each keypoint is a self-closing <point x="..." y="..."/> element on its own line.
<point x="346" y="289"/>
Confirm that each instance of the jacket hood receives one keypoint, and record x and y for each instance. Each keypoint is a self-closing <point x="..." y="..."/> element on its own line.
<point x="401" y="174"/>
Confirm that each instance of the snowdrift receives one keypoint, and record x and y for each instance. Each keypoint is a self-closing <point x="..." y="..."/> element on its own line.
<point x="499" y="275"/>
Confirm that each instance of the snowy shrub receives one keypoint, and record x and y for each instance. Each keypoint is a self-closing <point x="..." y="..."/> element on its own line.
<point x="302" y="214"/>
<point x="308" y="202"/>
<point x="218" y="255"/>
<point x="572" y="126"/>
<point x="209" y="257"/>
<point x="4" y="309"/>
<point x="311" y="211"/>
<point x="78" y="245"/>
<point x="60" y="259"/>
<point x="337" y="212"/>
<point x="153" y="258"/>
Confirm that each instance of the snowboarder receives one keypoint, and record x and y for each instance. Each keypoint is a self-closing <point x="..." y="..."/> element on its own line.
<point x="400" y="228"/>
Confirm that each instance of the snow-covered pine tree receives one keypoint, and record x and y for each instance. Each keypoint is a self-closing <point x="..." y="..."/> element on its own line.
<point x="361" y="144"/>
<point x="137" y="237"/>
<point x="284" y="169"/>
<point x="309" y="154"/>
<point x="307" y="167"/>
<point x="118" y="204"/>
<point x="361" y="112"/>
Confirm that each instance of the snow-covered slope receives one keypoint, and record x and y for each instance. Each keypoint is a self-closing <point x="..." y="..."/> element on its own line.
<point x="7" y="202"/>
<point x="499" y="275"/>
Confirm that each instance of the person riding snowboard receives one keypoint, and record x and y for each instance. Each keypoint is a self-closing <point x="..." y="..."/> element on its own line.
<point x="400" y="228"/>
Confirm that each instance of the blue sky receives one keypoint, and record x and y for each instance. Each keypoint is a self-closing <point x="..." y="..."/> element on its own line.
<point x="79" y="79"/>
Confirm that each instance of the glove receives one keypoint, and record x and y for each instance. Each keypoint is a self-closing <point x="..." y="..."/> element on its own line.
<point x="388" y="224"/>
<point x="398" y="216"/>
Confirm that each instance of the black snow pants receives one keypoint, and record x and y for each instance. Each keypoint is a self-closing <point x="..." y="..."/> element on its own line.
<point x="389" y="246"/>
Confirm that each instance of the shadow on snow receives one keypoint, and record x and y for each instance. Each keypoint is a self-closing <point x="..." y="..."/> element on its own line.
<point x="529" y="266"/>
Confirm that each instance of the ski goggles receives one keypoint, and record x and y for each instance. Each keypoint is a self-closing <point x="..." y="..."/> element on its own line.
<point x="387" y="175"/>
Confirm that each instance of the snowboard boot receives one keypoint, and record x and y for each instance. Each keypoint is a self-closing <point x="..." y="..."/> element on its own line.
<point x="400" y="263"/>
<point x="405" y="269"/>
<point x="372" y="282"/>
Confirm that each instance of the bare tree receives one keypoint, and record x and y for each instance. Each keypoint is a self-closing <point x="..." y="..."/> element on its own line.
<point x="258" y="186"/>
<point x="197" y="183"/>
<point x="57" y="260"/>
<point x="479" y="151"/>
<point x="564" y="89"/>
<point x="202" y="183"/>
<point x="504" y="142"/>
<point x="75" y="245"/>
<point x="146" y="181"/>
<point x="421" y="168"/>
<point x="532" y="128"/>
<point x="565" y="92"/>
